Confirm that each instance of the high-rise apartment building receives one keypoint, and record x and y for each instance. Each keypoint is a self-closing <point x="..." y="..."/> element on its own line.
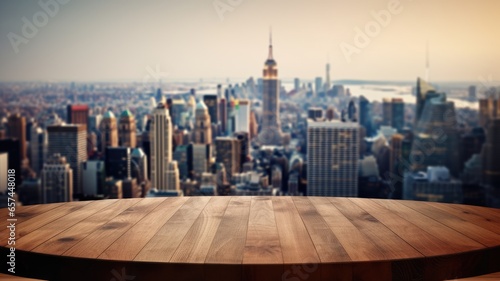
<point x="332" y="158"/>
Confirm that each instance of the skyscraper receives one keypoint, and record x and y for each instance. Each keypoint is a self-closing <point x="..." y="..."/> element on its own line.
<point x="365" y="115"/>
<point x="398" y="114"/>
<point x="16" y="129"/>
<point x="491" y="155"/>
<point x="328" y="85"/>
<point x="436" y="137"/>
<point x="38" y="148"/>
<point x="70" y="141"/>
<point x="109" y="131"/>
<point x="12" y="147"/>
<point x="118" y="162"/>
<point x="161" y="147"/>
<point x="387" y="112"/>
<point x="318" y="85"/>
<point x="423" y="89"/>
<point x="57" y="180"/>
<point x="270" y="133"/>
<point x="78" y="114"/>
<point x="211" y="101"/>
<point x="242" y="116"/>
<point x="202" y="133"/>
<point x="127" y="130"/>
<point x="228" y="153"/>
<point x="332" y="158"/>
<point x="296" y="84"/>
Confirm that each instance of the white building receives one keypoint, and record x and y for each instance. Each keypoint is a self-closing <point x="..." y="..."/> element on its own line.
<point x="242" y="116"/>
<point x="161" y="148"/>
<point x="332" y="158"/>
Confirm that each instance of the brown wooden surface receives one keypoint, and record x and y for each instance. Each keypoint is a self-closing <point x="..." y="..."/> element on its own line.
<point x="255" y="238"/>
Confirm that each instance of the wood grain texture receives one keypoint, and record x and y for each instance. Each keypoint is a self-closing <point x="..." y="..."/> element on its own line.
<point x="255" y="238"/>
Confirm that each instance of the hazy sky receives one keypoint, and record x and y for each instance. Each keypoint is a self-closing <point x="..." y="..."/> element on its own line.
<point x="88" y="40"/>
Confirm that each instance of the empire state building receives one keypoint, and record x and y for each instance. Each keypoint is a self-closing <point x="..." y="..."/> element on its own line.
<point x="270" y="133"/>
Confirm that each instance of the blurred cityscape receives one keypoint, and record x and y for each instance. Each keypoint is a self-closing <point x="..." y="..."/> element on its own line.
<point x="258" y="136"/>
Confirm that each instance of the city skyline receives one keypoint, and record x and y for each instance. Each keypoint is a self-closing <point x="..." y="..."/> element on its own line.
<point x="92" y="41"/>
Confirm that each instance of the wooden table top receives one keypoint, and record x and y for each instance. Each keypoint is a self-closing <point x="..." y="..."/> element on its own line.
<point x="255" y="238"/>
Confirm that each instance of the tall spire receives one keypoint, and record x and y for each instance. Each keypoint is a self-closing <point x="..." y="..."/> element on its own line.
<point x="270" y="57"/>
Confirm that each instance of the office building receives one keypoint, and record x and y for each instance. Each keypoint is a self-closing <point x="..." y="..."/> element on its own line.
<point x="12" y="147"/>
<point x="78" y="114"/>
<point x="127" y="130"/>
<point x="398" y="114"/>
<point x="94" y="177"/>
<point x="183" y="154"/>
<point x="212" y="103"/>
<point x="57" y="179"/>
<point x="491" y="155"/>
<point x="318" y="85"/>
<point x="228" y="152"/>
<point x="202" y="133"/>
<point x="332" y="158"/>
<point x="435" y="185"/>
<point x="270" y="133"/>
<point x="201" y="159"/>
<point x="16" y="129"/>
<point x="315" y="113"/>
<point x="118" y="162"/>
<point x="436" y="137"/>
<point x="328" y="83"/>
<point x="139" y="165"/>
<point x="38" y="148"/>
<point x="365" y="116"/>
<point x="109" y="131"/>
<point x="296" y="84"/>
<point x="423" y="89"/>
<point x="70" y="141"/>
<point x="172" y="178"/>
<point x="242" y="116"/>
<point x="161" y="148"/>
<point x="387" y="112"/>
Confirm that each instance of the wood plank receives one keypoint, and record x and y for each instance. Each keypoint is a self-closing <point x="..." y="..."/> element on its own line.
<point x="196" y="244"/>
<point x="263" y="242"/>
<point x="393" y="245"/>
<point x="161" y="247"/>
<point x="60" y="243"/>
<point x="358" y="245"/>
<point x="95" y="243"/>
<point x="296" y="244"/>
<point x="431" y="225"/>
<point x="417" y="237"/>
<point x="486" y="221"/>
<point x="131" y="243"/>
<point x="467" y="228"/>
<point x="24" y="213"/>
<point x="327" y="245"/>
<point x="262" y="256"/>
<point x="33" y="239"/>
<point x="30" y="225"/>
<point x="229" y="241"/>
